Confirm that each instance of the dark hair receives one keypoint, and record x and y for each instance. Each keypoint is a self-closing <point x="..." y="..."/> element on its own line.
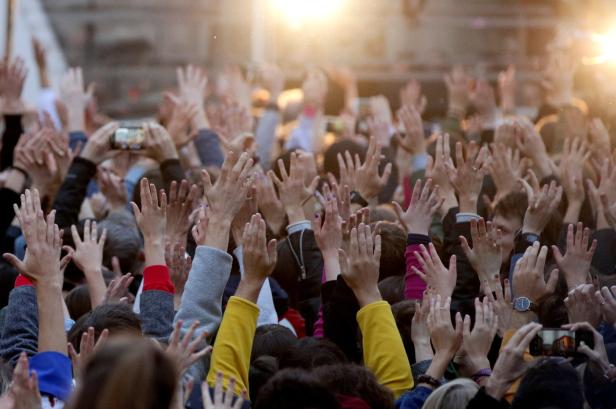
<point x="117" y="318"/>
<point x="310" y="353"/>
<point x="272" y="340"/>
<point x="403" y="314"/>
<point x="512" y="205"/>
<point x="123" y="240"/>
<point x="393" y="246"/>
<point x="131" y="372"/>
<point x="550" y="382"/>
<point x="330" y="159"/>
<point x="356" y="381"/>
<point x="295" y="389"/>
<point x="78" y="302"/>
<point x="392" y="289"/>
<point x="261" y="371"/>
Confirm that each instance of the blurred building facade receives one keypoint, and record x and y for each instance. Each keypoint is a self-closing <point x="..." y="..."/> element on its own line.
<point x="130" y="48"/>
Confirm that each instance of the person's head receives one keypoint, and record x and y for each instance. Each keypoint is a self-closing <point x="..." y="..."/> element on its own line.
<point x="261" y="370"/>
<point x="508" y="217"/>
<point x="127" y="373"/>
<point x="355" y="381"/>
<point x="452" y="395"/>
<point x="119" y="319"/>
<point x="310" y="353"/>
<point x="78" y="302"/>
<point x="393" y="245"/>
<point x="392" y="289"/>
<point x="295" y="389"/>
<point x="272" y="340"/>
<point x="549" y="382"/>
<point x="330" y="156"/>
<point x="123" y="241"/>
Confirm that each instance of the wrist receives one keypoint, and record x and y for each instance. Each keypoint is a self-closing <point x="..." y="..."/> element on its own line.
<point x="75" y="120"/>
<point x="439" y="364"/>
<point x="423" y="350"/>
<point x="367" y="296"/>
<point x="495" y="388"/>
<point x="418" y="228"/>
<point x="200" y="121"/>
<point x="295" y="214"/>
<point x="468" y="204"/>
<point x="249" y="288"/>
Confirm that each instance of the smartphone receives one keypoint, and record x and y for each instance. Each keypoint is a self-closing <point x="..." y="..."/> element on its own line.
<point x="560" y="342"/>
<point x="131" y="138"/>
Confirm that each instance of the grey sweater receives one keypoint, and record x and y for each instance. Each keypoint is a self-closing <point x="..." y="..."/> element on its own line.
<point x="20" y="329"/>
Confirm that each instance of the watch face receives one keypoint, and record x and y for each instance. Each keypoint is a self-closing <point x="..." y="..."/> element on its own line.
<point x="522" y="304"/>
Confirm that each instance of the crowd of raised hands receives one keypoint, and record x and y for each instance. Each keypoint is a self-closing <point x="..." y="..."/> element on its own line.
<point x="276" y="256"/>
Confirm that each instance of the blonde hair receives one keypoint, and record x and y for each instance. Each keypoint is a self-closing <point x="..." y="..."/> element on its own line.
<point x="452" y="395"/>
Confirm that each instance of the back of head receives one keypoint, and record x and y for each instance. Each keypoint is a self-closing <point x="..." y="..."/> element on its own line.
<point x="119" y="319"/>
<point x="295" y="389"/>
<point x="393" y="245"/>
<point x="78" y="302"/>
<point x="309" y="353"/>
<point x="550" y="382"/>
<point x="261" y="371"/>
<point x="392" y="289"/>
<point x="129" y="372"/>
<point x="123" y="240"/>
<point x="272" y="340"/>
<point x="351" y="380"/>
<point x="452" y="395"/>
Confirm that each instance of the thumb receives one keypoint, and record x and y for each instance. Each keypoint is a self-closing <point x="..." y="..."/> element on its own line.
<point x="272" y="251"/>
<point x="15" y="262"/>
<point x="585" y="349"/>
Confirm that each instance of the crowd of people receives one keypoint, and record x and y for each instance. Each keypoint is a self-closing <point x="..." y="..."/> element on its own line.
<point x="253" y="251"/>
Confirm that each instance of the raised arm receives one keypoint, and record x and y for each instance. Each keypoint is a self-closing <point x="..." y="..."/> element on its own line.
<point x="383" y="347"/>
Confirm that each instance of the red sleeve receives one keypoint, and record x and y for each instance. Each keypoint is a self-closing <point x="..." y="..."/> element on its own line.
<point x="408" y="191"/>
<point x="157" y="278"/>
<point x="22" y="280"/>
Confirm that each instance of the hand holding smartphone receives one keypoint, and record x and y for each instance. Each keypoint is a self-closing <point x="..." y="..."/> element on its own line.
<point x="560" y="342"/>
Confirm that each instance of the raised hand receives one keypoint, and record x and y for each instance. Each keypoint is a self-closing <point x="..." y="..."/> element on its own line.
<point x="477" y="343"/>
<point x="222" y="399"/>
<point x="269" y="204"/>
<point x="98" y="147"/>
<point x="272" y="78"/>
<point x="226" y="197"/>
<point x="199" y="230"/>
<point x="152" y="221"/>
<point x="580" y="303"/>
<point x="575" y="264"/>
<point x="607" y="303"/>
<point x="24" y="387"/>
<point x="541" y="207"/>
<point x="411" y="96"/>
<point x="507" y="88"/>
<point x="328" y="235"/>
<point x="158" y="143"/>
<point x="191" y="83"/>
<point x="486" y="256"/>
<point x="510" y="364"/>
<point x="379" y="129"/>
<point x="506" y="167"/>
<point x="483" y="99"/>
<point x="420" y="335"/>
<point x="440" y="280"/>
<point x="598" y="361"/>
<point x="259" y="258"/>
<point x="12" y="77"/>
<point x="87" y="346"/>
<point x="458" y="84"/>
<point x="42" y="261"/>
<point x="88" y="256"/>
<point x="531" y="145"/>
<point x="182" y="201"/>
<point x="502" y="304"/>
<point x="118" y="290"/>
<point x="446" y="339"/>
<point x="437" y="171"/>
<point x="361" y="269"/>
<point x="180" y="120"/>
<point x="292" y="187"/>
<point x="75" y="98"/>
<point x="184" y="350"/>
<point x="467" y="176"/>
<point x="179" y="264"/>
<point x="414" y="140"/>
<point x="424" y="204"/>
<point x="314" y="89"/>
<point x="528" y="278"/>
<point x="599" y="138"/>
<point x="113" y="189"/>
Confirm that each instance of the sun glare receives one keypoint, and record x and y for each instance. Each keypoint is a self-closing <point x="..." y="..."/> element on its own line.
<point x="606" y="48"/>
<point x="299" y="12"/>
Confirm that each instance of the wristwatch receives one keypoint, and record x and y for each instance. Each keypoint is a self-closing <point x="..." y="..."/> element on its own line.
<point x="523" y="304"/>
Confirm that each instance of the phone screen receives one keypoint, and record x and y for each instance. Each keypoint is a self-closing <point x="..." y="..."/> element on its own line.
<point x="559" y="342"/>
<point x="128" y="138"/>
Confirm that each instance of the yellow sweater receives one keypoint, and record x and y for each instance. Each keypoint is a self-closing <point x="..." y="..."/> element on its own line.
<point x="231" y="354"/>
<point x="384" y="352"/>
